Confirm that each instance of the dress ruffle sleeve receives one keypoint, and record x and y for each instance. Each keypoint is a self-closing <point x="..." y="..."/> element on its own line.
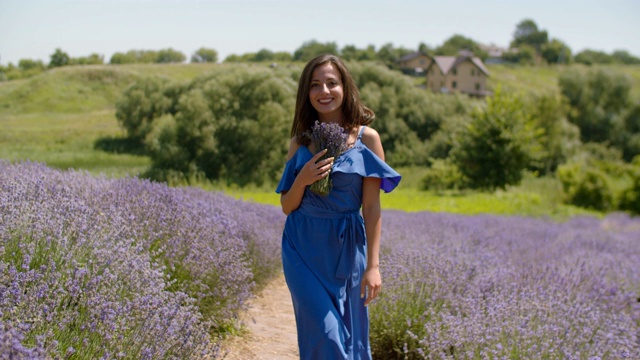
<point x="292" y="168"/>
<point x="361" y="160"/>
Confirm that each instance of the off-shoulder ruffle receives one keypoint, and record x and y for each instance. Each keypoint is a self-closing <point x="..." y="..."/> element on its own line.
<point x="359" y="160"/>
<point x="292" y="168"/>
<point x="364" y="162"/>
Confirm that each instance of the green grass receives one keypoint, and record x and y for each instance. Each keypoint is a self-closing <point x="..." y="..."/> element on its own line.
<point x="536" y="197"/>
<point x="537" y="80"/>
<point x="67" y="141"/>
<point x="527" y="79"/>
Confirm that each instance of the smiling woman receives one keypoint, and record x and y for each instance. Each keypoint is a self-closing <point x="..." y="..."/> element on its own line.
<point x="330" y="253"/>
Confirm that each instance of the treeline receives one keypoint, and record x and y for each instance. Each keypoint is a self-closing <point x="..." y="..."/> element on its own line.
<point x="530" y="45"/>
<point x="233" y="125"/>
<point x="27" y="67"/>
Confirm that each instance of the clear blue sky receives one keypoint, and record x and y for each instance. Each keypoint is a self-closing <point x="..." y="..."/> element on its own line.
<point x="33" y="29"/>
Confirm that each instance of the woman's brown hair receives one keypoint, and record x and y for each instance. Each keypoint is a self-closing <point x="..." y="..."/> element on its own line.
<point x="354" y="112"/>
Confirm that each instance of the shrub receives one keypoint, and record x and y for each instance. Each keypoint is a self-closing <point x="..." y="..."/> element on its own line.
<point x="497" y="145"/>
<point x="442" y="175"/>
<point x="141" y="103"/>
<point x="630" y="197"/>
<point x="585" y="187"/>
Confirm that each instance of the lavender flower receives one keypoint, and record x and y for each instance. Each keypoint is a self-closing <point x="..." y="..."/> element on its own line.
<point x="332" y="137"/>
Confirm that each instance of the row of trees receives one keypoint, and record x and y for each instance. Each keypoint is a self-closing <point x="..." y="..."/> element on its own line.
<point x="233" y="126"/>
<point x="530" y="45"/>
<point x="27" y="67"/>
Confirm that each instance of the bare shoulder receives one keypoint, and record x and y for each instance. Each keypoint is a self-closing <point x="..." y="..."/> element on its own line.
<point x="293" y="147"/>
<point x="371" y="139"/>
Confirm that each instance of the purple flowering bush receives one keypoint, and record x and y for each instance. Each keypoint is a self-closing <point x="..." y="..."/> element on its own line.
<point x="489" y="287"/>
<point x="124" y="268"/>
<point x="329" y="136"/>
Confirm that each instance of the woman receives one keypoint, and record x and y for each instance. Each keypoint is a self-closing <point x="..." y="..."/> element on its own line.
<point x="330" y="253"/>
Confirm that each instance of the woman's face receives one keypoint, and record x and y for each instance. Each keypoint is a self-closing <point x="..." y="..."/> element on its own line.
<point x="326" y="92"/>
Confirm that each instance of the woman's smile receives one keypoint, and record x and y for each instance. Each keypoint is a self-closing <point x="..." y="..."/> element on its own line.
<point x="326" y="93"/>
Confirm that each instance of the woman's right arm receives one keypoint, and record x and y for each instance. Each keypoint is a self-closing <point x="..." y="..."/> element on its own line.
<point x="311" y="172"/>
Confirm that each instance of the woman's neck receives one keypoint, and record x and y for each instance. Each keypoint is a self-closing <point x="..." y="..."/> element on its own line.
<point x="331" y="118"/>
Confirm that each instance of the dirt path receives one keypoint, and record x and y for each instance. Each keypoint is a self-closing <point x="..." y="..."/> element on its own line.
<point x="271" y="327"/>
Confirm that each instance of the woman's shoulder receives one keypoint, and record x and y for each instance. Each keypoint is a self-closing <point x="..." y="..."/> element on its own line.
<point x="294" y="145"/>
<point x="371" y="139"/>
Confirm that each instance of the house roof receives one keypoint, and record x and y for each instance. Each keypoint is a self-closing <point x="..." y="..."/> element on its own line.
<point x="478" y="62"/>
<point x="412" y="56"/>
<point x="446" y="63"/>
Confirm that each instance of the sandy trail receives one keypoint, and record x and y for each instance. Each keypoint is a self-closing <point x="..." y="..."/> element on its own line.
<point x="271" y="327"/>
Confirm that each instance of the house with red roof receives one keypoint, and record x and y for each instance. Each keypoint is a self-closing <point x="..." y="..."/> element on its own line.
<point x="464" y="73"/>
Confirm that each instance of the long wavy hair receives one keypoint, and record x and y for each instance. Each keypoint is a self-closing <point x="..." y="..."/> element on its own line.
<point x="354" y="112"/>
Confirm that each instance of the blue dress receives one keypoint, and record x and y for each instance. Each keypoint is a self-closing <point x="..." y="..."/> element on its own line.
<point x="324" y="255"/>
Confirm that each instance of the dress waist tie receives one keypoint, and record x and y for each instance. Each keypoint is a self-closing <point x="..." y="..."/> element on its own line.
<point x="352" y="234"/>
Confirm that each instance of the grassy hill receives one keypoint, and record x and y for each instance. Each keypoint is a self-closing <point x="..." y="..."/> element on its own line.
<point x="544" y="79"/>
<point x="63" y="117"/>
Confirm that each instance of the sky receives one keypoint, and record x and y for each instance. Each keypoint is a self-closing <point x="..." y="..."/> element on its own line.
<point x="34" y="29"/>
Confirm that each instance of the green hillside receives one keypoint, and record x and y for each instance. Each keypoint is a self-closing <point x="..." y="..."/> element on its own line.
<point x="66" y="118"/>
<point x="77" y="89"/>
<point x="544" y="79"/>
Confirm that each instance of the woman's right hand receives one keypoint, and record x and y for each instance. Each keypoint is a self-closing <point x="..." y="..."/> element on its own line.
<point x="315" y="169"/>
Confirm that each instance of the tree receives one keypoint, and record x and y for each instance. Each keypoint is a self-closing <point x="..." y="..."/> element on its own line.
<point x="424" y="48"/>
<point x="585" y="186"/>
<point x="626" y="134"/>
<point x="93" y="59"/>
<point x="495" y="147"/>
<point x="59" y="58"/>
<point x="204" y="55"/>
<point x="135" y="56"/>
<point x="561" y="139"/>
<point x="590" y="57"/>
<point x="282" y="56"/>
<point x="122" y="58"/>
<point x="630" y="197"/>
<point x="140" y="104"/>
<point x="527" y="33"/>
<point x="313" y="48"/>
<point x="145" y="56"/>
<point x="556" y="52"/>
<point x="170" y="56"/>
<point x="390" y="55"/>
<point x="352" y="53"/>
<point x="28" y="64"/>
<point x="598" y="99"/>
<point x="624" y="57"/>
<point x="457" y="43"/>
<point x="525" y="55"/>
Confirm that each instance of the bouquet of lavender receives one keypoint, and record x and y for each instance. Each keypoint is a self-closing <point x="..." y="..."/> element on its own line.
<point x="333" y="138"/>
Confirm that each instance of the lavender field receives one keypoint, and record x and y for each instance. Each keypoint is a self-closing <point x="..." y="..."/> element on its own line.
<point x="124" y="268"/>
<point x="92" y="267"/>
<point x="488" y="287"/>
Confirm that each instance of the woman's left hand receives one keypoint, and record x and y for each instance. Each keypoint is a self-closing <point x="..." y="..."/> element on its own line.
<point x="371" y="283"/>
